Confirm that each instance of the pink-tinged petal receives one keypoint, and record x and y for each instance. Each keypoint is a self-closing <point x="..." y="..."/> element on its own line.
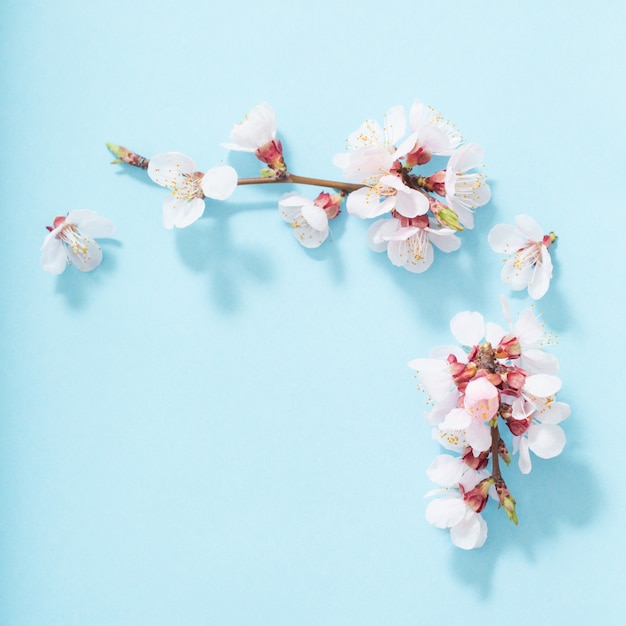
<point x="555" y="413"/>
<point x="315" y="216"/>
<point x="546" y="440"/>
<point x="468" y="327"/>
<point x="380" y="231"/>
<point x="444" y="239"/>
<point x="53" y="255"/>
<point x="478" y="436"/>
<point x="219" y="183"/>
<point x="446" y="470"/>
<point x="540" y="362"/>
<point x="542" y="385"/>
<point x="445" y="512"/>
<point x="86" y="255"/>
<point x="540" y="281"/>
<point x="505" y="238"/>
<point x="528" y="227"/>
<point x="410" y="255"/>
<point x="470" y="533"/>
<point x="515" y="277"/>
<point x="405" y="146"/>
<point x="443" y="407"/>
<point x="525" y="464"/>
<point x="341" y="160"/>
<point x="457" y="419"/>
<point x="395" y="124"/>
<point x="169" y="168"/>
<point x="482" y="399"/>
<point x="368" y="164"/>
<point x="181" y="213"/>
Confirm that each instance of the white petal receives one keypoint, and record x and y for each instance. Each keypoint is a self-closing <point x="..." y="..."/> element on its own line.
<point x="445" y="512"/>
<point x="181" y="213"/>
<point x="470" y="533"/>
<point x="466" y="157"/>
<point x="540" y="362"/>
<point x="494" y="333"/>
<point x="468" y="327"/>
<point x="505" y="238"/>
<point x="446" y="470"/>
<point x="219" y="182"/>
<point x="86" y="256"/>
<point x="169" y="168"/>
<point x="53" y="255"/>
<point x="410" y="255"/>
<point x="546" y="440"/>
<point x="515" y="277"/>
<point x="91" y="224"/>
<point x="542" y="385"/>
<point x="478" y="436"/>
<point x="411" y="203"/>
<point x="290" y="206"/>
<point x="315" y="216"/>
<point x="395" y="124"/>
<point x="525" y="464"/>
<point x="457" y="419"/>
<point x="257" y="129"/>
<point x="540" y="281"/>
<point x="309" y="237"/>
<point x="528" y="227"/>
<point x="527" y="328"/>
<point x="555" y="413"/>
<point x="434" y="374"/>
<point x="379" y="232"/>
<point x="444" y="239"/>
<point x="366" y="203"/>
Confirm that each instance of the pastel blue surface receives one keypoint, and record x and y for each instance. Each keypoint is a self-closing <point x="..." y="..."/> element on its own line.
<point x="219" y="427"/>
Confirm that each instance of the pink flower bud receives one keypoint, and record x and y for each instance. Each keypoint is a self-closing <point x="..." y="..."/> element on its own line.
<point x="272" y="154"/>
<point x="330" y="203"/>
<point x="477" y="498"/>
<point x="417" y="156"/>
<point x="476" y="462"/>
<point x="507" y="501"/>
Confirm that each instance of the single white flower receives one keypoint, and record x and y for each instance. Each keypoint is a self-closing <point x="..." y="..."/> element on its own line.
<point x="256" y="130"/>
<point x="468" y="529"/>
<point x="529" y="264"/>
<point x="543" y="437"/>
<point x="71" y="240"/>
<point x="433" y="132"/>
<point x="177" y="172"/>
<point x="466" y="191"/>
<point x="308" y="220"/>
<point x="410" y="246"/>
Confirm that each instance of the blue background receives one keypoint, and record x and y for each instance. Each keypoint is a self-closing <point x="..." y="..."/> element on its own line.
<point x="219" y="427"/>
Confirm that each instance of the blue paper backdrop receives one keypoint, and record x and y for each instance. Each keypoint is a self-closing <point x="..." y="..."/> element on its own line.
<point x="219" y="427"/>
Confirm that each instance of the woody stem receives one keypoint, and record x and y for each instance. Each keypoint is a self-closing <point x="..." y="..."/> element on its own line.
<point x="303" y="180"/>
<point x="495" y="459"/>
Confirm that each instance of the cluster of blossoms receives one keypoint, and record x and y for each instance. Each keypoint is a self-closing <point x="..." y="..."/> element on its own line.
<point x="422" y="208"/>
<point x="386" y="178"/>
<point x="500" y="378"/>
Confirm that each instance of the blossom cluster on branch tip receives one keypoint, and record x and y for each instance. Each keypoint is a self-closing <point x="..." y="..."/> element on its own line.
<point x="71" y="240"/>
<point x="424" y="208"/>
<point x="528" y="264"/>
<point x="498" y="378"/>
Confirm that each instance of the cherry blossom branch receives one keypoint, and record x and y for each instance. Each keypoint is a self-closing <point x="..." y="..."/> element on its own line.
<point x="495" y="452"/>
<point x="124" y="155"/>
